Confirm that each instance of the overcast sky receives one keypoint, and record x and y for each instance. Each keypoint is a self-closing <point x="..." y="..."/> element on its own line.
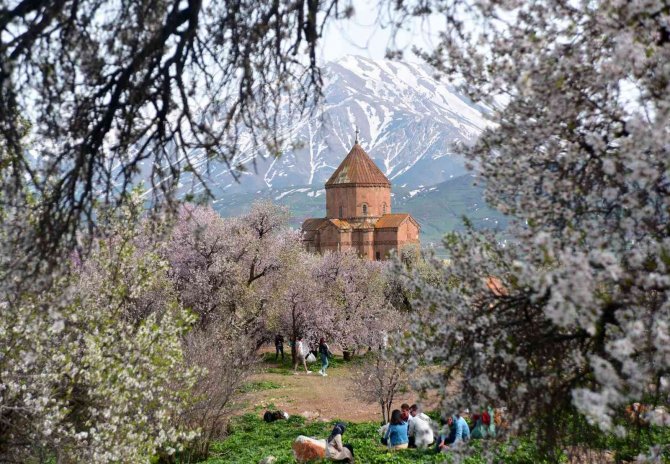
<point x="363" y="35"/>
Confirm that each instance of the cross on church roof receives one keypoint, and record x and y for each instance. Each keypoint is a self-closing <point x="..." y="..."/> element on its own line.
<point x="357" y="131"/>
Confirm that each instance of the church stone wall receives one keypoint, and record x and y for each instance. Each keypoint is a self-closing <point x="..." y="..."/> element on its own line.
<point x="385" y="240"/>
<point x="410" y="233"/>
<point x="344" y="197"/>
<point x="311" y="240"/>
<point x="375" y="198"/>
<point x="365" y="186"/>
<point x="352" y="199"/>
<point x="329" y="239"/>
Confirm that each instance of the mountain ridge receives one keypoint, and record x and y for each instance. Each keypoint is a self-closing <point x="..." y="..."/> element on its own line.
<point x="410" y="124"/>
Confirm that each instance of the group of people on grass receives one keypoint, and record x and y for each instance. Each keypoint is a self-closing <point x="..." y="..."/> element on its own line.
<point x="410" y="428"/>
<point x="302" y="352"/>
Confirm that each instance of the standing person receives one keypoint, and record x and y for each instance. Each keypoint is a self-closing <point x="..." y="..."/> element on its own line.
<point x="396" y="433"/>
<point x="300" y="356"/>
<point x="279" y="346"/>
<point x="335" y="450"/>
<point x="324" y="353"/>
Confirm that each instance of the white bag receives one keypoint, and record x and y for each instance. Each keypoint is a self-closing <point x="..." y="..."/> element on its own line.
<point x="311" y="358"/>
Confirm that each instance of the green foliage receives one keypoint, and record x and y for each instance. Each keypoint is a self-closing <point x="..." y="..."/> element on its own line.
<point x="523" y="451"/>
<point x="251" y="440"/>
<point x="285" y="367"/>
<point x="259" y="386"/>
<point x="638" y="441"/>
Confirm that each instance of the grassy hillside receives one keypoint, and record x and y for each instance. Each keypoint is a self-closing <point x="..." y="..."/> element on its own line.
<point x="441" y="208"/>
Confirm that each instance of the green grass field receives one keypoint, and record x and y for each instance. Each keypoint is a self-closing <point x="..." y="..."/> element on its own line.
<point x="252" y="439"/>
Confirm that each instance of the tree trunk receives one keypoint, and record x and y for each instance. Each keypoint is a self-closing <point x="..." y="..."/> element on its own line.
<point x="294" y="337"/>
<point x="388" y="411"/>
<point x="381" y="403"/>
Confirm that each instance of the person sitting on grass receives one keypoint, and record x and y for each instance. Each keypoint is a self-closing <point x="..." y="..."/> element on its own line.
<point x="300" y="356"/>
<point x="420" y="430"/>
<point x="324" y="353"/>
<point x="404" y="413"/>
<point x="484" y="425"/>
<point x="335" y="450"/>
<point x="396" y="433"/>
<point x="459" y="432"/>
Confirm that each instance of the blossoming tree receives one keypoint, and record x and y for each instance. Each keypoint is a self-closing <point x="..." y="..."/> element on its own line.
<point x="355" y="289"/>
<point x="83" y="378"/>
<point x="224" y="270"/>
<point x="299" y="307"/>
<point x="575" y="310"/>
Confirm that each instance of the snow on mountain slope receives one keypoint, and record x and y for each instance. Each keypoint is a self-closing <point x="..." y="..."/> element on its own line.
<point x="409" y="124"/>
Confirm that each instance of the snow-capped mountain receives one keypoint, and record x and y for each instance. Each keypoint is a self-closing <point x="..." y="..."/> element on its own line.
<point x="409" y="123"/>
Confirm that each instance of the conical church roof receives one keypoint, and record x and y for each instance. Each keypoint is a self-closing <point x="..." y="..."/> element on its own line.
<point x="358" y="168"/>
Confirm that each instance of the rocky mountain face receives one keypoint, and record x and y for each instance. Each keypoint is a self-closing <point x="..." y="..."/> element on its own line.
<point x="410" y="124"/>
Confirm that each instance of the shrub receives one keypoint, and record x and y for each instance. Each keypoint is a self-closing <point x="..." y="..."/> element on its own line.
<point x="81" y="381"/>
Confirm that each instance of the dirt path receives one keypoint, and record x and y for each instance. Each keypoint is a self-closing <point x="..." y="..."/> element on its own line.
<point x="317" y="397"/>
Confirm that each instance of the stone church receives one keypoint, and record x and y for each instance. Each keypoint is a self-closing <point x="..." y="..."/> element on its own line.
<point x="358" y="212"/>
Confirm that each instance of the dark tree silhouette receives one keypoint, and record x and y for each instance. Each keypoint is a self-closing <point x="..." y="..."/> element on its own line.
<point x="111" y="89"/>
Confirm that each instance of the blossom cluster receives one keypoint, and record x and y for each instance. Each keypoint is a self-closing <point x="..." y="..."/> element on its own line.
<point x="82" y="382"/>
<point x="573" y="309"/>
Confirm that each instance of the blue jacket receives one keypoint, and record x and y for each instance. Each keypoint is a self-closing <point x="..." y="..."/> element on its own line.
<point x="397" y="434"/>
<point x="459" y="430"/>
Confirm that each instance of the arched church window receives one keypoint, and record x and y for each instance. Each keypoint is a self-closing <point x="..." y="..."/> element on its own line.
<point x="340" y="211"/>
<point x="365" y="209"/>
<point x="384" y="208"/>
